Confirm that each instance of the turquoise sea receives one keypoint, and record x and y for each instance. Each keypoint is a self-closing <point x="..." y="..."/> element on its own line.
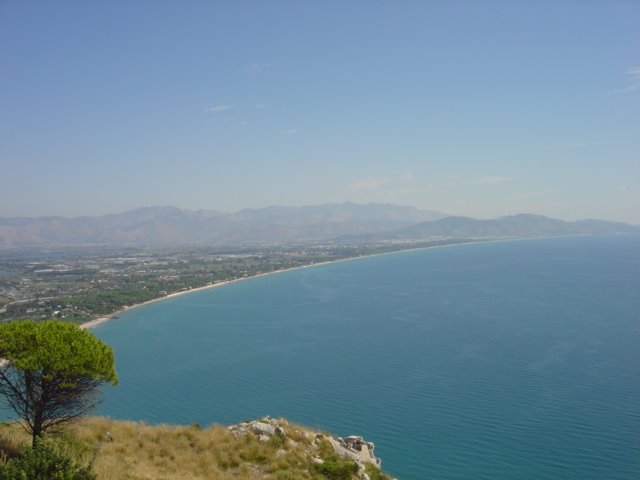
<point x="506" y="360"/>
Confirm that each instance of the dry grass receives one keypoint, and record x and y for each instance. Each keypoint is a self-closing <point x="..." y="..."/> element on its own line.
<point x="122" y="450"/>
<point x="12" y="440"/>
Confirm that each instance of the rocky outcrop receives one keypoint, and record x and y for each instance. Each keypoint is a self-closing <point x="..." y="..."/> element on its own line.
<point x="264" y="429"/>
<point x="353" y="447"/>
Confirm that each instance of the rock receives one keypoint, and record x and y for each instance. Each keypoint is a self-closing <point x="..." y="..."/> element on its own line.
<point x="365" y="449"/>
<point x="353" y="447"/>
<point x="262" y="428"/>
<point x="342" y="450"/>
<point x="237" y="430"/>
<point x="356" y="449"/>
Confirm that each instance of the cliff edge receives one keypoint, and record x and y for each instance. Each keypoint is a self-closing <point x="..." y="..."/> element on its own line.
<point x="316" y="445"/>
<point x="267" y="448"/>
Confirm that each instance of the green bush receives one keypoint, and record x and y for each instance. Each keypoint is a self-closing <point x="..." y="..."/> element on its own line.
<point x="375" y="473"/>
<point x="336" y="468"/>
<point x="43" y="462"/>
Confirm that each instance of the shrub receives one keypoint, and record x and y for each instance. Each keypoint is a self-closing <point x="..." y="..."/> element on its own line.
<point x="336" y="468"/>
<point x="43" y="462"/>
<point x="375" y="473"/>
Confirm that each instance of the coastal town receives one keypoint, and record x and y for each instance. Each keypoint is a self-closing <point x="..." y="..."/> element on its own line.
<point x="86" y="283"/>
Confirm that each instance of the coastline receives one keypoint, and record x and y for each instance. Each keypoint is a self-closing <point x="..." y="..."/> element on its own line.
<point x="99" y="321"/>
<point x="106" y="318"/>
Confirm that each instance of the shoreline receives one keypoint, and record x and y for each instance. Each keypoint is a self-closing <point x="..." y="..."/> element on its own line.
<point x="99" y="321"/>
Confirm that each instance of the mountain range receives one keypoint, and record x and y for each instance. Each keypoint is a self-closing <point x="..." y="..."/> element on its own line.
<point x="171" y="225"/>
<point x="341" y="221"/>
<point x="520" y="225"/>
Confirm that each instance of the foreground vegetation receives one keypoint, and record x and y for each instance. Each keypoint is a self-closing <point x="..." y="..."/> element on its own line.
<point x="51" y="371"/>
<point x="125" y="450"/>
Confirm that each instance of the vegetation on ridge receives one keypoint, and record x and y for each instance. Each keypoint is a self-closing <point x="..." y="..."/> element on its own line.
<point x="126" y="450"/>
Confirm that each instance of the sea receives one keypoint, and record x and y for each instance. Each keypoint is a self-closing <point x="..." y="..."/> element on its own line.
<point x="502" y="360"/>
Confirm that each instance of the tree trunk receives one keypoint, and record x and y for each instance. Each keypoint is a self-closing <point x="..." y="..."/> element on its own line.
<point x="37" y="426"/>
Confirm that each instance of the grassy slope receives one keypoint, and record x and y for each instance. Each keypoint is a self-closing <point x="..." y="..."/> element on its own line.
<point x="122" y="450"/>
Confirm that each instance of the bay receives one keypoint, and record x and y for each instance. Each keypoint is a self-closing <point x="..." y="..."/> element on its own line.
<point x="514" y="360"/>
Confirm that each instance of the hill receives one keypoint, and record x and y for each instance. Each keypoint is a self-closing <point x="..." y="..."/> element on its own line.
<point x="171" y="225"/>
<point x="521" y="225"/>
<point x="340" y="221"/>
<point x="261" y="449"/>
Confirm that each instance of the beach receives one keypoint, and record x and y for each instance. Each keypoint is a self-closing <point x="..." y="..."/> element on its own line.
<point x="106" y="318"/>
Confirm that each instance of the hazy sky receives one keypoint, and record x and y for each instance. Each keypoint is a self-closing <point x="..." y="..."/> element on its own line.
<point x="474" y="108"/>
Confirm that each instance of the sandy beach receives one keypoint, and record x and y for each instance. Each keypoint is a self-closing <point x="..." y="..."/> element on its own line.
<point x="106" y="318"/>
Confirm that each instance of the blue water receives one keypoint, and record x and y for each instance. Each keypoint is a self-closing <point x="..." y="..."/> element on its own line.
<point x="509" y="360"/>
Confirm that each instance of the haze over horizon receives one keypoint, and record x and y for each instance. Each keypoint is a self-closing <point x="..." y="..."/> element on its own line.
<point x="482" y="110"/>
<point x="436" y="214"/>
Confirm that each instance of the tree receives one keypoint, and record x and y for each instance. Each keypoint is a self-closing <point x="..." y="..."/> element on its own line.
<point x="50" y="372"/>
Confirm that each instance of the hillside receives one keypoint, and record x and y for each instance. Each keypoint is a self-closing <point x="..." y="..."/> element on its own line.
<point x="171" y="225"/>
<point x="521" y="225"/>
<point x="349" y="222"/>
<point x="262" y="449"/>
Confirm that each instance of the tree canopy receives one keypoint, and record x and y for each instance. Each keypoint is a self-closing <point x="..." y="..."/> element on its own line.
<point x="50" y="371"/>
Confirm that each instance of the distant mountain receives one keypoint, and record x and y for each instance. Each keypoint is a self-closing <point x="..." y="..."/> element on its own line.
<point x="171" y="225"/>
<point x="521" y="225"/>
<point x="342" y="221"/>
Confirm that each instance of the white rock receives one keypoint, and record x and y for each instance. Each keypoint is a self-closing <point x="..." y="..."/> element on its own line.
<point x="356" y="449"/>
<point x="262" y="428"/>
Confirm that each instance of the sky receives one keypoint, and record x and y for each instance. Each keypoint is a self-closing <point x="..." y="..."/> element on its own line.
<point x="470" y="108"/>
